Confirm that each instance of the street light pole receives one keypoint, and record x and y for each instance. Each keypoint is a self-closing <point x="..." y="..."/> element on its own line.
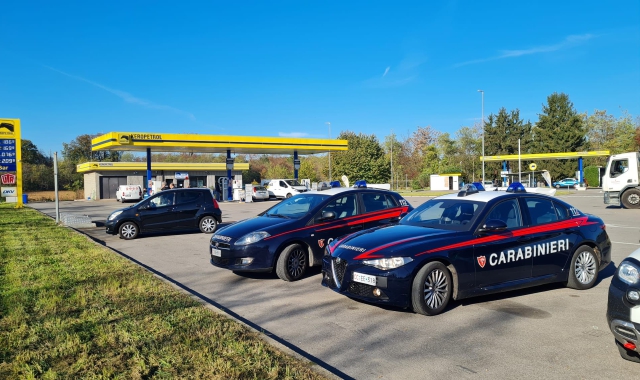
<point x="482" y="122"/>
<point x="329" y="124"/>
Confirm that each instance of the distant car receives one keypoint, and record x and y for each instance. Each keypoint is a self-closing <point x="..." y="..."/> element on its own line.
<point x="168" y="210"/>
<point x="129" y="193"/>
<point x="488" y="185"/>
<point x="291" y="236"/>
<point x="323" y="186"/>
<point x="259" y="193"/>
<point x="469" y="244"/>
<point x="623" y="311"/>
<point x="567" y="182"/>
<point x="286" y="188"/>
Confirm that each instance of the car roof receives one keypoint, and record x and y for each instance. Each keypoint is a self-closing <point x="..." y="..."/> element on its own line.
<point x="338" y="190"/>
<point x="486" y="196"/>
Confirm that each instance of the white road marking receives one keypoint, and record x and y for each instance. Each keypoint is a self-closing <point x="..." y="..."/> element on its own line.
<point x="619" y="242"/>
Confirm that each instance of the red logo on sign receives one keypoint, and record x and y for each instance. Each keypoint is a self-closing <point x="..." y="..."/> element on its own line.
<point x="482" y="261"/>
<point x="8" y="179"/>
<point x="321" y="243"/>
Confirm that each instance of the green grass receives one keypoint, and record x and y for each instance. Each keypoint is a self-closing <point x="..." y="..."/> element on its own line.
<point x="70" y="308"/>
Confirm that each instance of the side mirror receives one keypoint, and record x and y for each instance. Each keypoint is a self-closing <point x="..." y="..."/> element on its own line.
<point x="493" y="225"/>
<point x="328" y="215"/>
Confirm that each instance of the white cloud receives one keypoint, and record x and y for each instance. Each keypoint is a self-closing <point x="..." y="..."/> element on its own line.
<point x="127" y="97"/>
<point x="567" y="43"/>
<point x="293" y="134"/>
<point x="386" y="71"/>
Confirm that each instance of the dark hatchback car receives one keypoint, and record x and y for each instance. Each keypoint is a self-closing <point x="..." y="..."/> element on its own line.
<point x="169" y="210"/>
<point x="291" y="236"/>
<point x="469" y="244"/>
<point x="623" y="311"/>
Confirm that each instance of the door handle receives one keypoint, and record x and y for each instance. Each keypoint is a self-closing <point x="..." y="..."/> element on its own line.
<point x="355" y="227"/>
<point x="524" y="238"/>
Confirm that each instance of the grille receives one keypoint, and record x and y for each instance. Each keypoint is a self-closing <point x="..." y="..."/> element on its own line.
<point x="361" y="289"/>
<point x="338" y="269"/>
<point x="221" y="245"/>
<point x="626" y="332"/>
<point x="219" y="261"/>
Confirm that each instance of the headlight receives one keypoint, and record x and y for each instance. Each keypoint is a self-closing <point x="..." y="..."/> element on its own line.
<point x="113" y="216"/>
<point x="252" y="238"/>
<point x="629" y="273"/>
<point x="390" y="263"/>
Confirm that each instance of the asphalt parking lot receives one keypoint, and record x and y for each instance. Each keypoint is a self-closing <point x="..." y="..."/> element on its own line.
<point x="546" y="332"/>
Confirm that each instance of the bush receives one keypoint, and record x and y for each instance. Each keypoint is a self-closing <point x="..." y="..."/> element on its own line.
<point x="591" y="174"/>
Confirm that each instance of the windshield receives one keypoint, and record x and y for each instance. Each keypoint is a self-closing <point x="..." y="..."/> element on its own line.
<point x="296" y="206"/>
<point x="445" y="214"/>
<point x="292" y="182"/>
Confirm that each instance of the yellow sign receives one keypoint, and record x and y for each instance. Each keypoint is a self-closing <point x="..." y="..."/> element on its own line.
<point x="11" y="153"/>
<point x="532" y="166"/>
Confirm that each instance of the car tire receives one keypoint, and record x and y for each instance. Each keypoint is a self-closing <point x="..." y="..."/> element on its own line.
<point x="425" y="299"/>
<point x="631" y="198"/>
<point x="208" y="225"/>
<point x="557" y="186"/>
<point x="288" y="195"/>
<point x="631" y="356"/>
<point x="292" y="263"/>
<point x="128" y="230"/>
<point x="583" y="272"/>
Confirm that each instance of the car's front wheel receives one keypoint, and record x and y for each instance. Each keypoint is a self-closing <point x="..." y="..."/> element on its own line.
<point x="631" y="198"/>
<point x="431" y="290"/>
<point x="583" y="272"/>
<point x="208" y="225"/>
<point x="292" y="263"/>
<point x="129" y="230"/>
<point x="288" y="195"/>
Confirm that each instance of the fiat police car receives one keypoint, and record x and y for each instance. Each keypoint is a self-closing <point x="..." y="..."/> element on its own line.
<point x="623" y="311"/>
<point x="469" y="244"/>
<point x="292" y="235"/>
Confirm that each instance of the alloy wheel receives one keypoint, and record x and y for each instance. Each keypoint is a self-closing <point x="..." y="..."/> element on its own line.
<point x="296" y="263"/>
<point x="435" y="289"/>
<point x="585" y="268"/>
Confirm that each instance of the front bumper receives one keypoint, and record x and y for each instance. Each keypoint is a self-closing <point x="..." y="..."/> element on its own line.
<point x="393" y="287"/>
<point x="111" y="227"/>
<point x="231" y="257"/>
<point x="623" y="315"/>
<point x="612" y="198"/>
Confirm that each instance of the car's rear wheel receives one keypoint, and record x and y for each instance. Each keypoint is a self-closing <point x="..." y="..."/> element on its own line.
<point x="208" y="225"/>
<point x="557" y="186"/>
<point x="629" y="355"/>
<point x="584" y="269"/>
<point x="292" y="263"/>
<point x="631" y="198"/>
<point x="431" y="290"/>
<point x="288" y="195"/>
<point x="129" y="230"/>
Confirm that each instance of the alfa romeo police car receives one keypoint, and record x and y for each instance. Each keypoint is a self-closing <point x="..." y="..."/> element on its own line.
<point x="292" y="235"/>
<point x="468" y="244"/>
<point x="623" y="311"/>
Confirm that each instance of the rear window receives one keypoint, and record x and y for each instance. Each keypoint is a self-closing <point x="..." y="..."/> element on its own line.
<point x="260" y="188"/>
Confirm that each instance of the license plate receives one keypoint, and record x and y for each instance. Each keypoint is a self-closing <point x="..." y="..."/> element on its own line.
<point x="364" y="278"/>
<point x="216" y="252"/>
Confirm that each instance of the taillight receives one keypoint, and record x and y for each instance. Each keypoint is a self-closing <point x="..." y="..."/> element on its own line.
<point x="215" y="204"/>
<point x="603" y="226"/>
<point x="254" y="189"/>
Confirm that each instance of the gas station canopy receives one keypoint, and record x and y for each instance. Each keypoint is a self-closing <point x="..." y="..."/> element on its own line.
<point x="194" y="143"/>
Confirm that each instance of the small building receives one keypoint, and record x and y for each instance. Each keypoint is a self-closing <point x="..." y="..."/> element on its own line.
<point x="102" y="179"/>
<point x="448" y="181"/>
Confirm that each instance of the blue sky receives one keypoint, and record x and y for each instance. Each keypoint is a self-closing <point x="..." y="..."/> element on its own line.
<point x="286" y="68"/>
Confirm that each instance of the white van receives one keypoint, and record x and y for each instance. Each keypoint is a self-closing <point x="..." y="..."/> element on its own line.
<point x="286" y="188"/>
<point x="129" y="193"/>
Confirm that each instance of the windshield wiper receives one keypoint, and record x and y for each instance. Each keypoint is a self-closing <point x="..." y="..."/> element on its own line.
<point x="278" y="215"/>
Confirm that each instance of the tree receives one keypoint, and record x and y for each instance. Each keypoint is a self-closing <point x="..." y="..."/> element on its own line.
<point x="365" y="159"/>
<point x="559" y="129"/>
<point x="470" y="148"/>
<point x="77" y="152"/>
<point x="502" y="132"/>
<point x="605" y="132"/>
<point x="37" y="169"/>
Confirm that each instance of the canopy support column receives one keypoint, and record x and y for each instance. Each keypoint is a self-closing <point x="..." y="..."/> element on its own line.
<point x="296" y="164"/>
<point x="149" y="180"/>
<point x="229" y="180"/>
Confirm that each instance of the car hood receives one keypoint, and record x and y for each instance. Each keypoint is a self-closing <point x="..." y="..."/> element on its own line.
<point x="391" y="241"/>
<point x="259" y="223"/>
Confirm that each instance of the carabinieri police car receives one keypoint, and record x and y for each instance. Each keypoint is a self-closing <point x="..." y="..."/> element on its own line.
<point x="292" y="235"/>
<point x="623" y="311"/>
<point x="469" y="244"/>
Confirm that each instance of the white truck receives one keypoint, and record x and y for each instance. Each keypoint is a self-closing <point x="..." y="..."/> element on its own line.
<point x="620" y="181"/>
<point x="285" y="188"/>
